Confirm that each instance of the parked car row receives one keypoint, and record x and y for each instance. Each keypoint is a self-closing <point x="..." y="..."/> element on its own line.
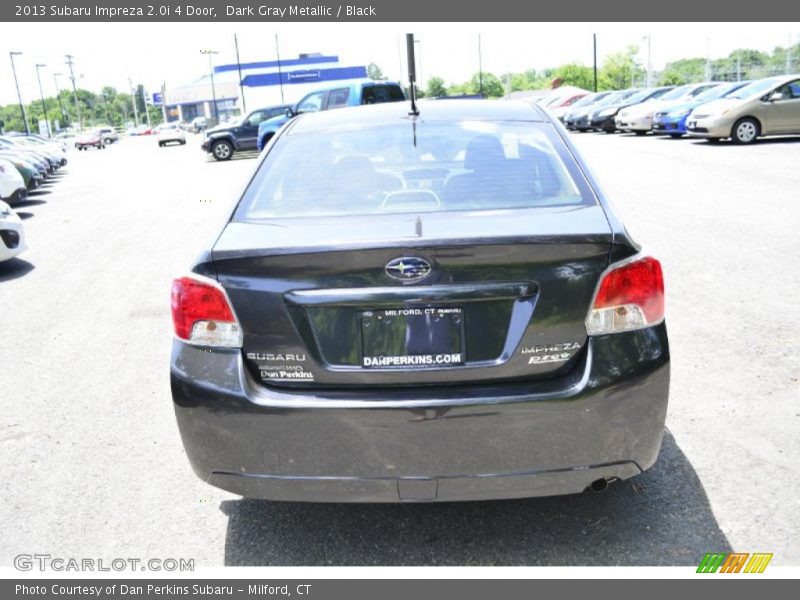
<point x="742" y="111"/>
<point x="26" y="163"/>
<point x="254" y="130"/>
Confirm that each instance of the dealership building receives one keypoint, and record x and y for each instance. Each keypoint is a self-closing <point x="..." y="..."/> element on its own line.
<point x="263" y="84"/>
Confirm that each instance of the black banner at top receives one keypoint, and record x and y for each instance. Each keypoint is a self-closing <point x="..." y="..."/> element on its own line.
<point x="398" y="11"/>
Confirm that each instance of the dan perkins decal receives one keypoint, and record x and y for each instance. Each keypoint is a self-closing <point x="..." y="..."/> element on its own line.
<point x="281" y="366"/>
<point x="551" y="353"/>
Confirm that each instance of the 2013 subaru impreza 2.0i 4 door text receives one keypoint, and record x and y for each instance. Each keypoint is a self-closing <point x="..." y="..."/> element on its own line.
<point x="420" y="307"/>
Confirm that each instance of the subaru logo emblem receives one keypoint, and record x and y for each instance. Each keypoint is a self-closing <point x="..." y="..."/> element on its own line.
<point x="408" y="268"/>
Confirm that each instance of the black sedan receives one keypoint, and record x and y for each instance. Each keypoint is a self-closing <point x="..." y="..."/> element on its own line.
<point x="420" y="307"/>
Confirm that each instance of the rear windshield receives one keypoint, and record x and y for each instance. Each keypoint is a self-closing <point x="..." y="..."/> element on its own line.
<point x="375" y="94"/>
<point x="405" y="167"/>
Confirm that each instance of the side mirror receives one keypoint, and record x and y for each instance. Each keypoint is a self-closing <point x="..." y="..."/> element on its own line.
<point x="775" y="96"/>
<point x="290" y="112"/>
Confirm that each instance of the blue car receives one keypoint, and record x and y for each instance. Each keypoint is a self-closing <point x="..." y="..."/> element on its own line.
<point x="352" y="94"/>
<point x="671" y="119"/>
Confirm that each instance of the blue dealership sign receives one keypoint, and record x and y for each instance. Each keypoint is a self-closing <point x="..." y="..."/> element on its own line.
<point x="158" y="99"/>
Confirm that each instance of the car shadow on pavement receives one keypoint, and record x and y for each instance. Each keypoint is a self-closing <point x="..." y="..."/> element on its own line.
<point x="659" y="518"/>
<point x="29" y="202"/>
<point x="14" y="268"/>
<point x="767" y="141"/>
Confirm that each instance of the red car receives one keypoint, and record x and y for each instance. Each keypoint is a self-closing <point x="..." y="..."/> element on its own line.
<point x="91" y="139"/>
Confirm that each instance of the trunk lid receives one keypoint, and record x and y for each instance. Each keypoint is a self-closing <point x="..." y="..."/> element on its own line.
<point x="505" y="297"/>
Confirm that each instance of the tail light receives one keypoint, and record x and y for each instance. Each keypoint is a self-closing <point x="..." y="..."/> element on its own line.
<point x="630" y="296"/>
<point x="202" y="314"/>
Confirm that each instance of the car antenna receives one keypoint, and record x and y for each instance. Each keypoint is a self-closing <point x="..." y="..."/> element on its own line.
<point x="412" y="75"/>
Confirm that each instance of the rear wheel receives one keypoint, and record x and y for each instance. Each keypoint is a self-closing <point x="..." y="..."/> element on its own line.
<point x="675" y="136"/>
<point x="222" y="150"/>
<point x="745" y="131"/>
<point x="639" y="132"/>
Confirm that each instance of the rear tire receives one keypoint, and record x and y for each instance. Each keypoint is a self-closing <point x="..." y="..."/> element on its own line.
<point x="222" y="150"/>
<point x="745" y="131"/>
<point x="639" y="132"/>
<point x="676" y="136"/>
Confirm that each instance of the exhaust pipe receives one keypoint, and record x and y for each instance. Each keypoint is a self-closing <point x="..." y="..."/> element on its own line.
<point x="598" y="486"/>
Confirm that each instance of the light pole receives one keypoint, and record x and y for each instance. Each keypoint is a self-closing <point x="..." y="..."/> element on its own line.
<point x="60" y="101"/>
<point x="41" y="96"/>
<point x="21" y="105"/>
<point x="213" y="89"/>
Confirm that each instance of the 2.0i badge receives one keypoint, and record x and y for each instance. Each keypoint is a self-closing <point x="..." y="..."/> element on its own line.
<point x="408" y="268"/>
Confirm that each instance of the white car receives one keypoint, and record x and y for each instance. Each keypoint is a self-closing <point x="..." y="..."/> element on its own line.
<point x="639" y="117"/>
<point x="12" y="236"/>
<point x="170" y="132"/>
<point x="12" y="185"/>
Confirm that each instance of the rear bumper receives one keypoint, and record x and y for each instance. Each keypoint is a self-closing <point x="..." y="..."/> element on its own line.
<point x="604" y="420"/>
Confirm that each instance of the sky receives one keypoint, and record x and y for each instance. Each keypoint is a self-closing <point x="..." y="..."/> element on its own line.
<point x="152" y="53"/>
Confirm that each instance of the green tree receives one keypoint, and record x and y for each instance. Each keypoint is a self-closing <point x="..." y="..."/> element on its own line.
<point x="436" y="87"/>
<point x="375" y="72"/>
<point x="621" y="70"/>
<point x="492" y="86"/>
<point x="575" y="74"/>
<point x="672" y="77"/>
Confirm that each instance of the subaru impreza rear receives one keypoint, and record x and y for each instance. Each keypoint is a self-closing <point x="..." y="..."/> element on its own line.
<point x="420" y="307"/>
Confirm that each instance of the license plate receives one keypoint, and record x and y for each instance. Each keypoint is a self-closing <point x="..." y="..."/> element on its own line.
<point x="412" y="337"/>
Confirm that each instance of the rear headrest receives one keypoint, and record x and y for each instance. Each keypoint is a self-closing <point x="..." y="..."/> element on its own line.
<point x="483" y="151"/>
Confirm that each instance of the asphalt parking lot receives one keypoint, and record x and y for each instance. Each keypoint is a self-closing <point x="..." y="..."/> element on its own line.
<point x="94" y="466"/>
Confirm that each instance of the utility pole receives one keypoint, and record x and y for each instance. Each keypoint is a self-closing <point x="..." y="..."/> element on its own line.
<point x="594" y="45"/>
<point x="69" y="62"/>
<point x="146" y="109"/>
<point x="21" y="105"/>
<point x="164" y="101"/>
<point x="789" y="56"/>
<point x="708" y="59"/>
<point x="60" y="101"/>
<point x="213" y="89"/>
<point x="133" y="101"/>
<point x="649" y="71"/>
<point x="738" y="66"/>
<point x="41" y="96"/>
<point x="280" y="75"/>
<point x="239" y="67"/>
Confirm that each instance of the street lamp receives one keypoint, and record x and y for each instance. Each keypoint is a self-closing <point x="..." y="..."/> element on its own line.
<point x="60" y="101"/>
<point x="41" y="96"/>
<point x="213" y="89"/>
<point x="19" y="95"/>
